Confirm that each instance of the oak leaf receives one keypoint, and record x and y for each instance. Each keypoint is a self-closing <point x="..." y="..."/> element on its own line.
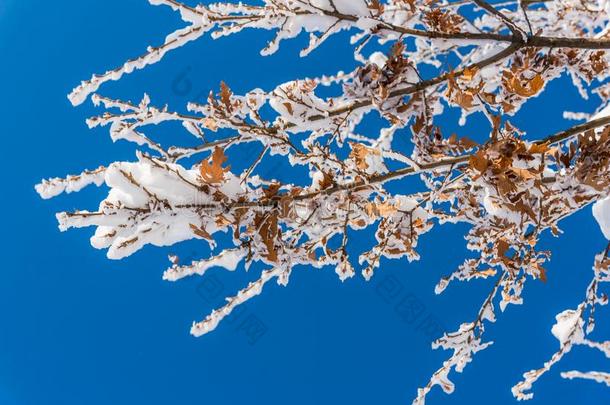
<point x="383" y="209"/>
<point x="526" y="89"/>
<point x="478" y="161"/>
<point x="210" y="124"/>
<point x="225" y="95"/>
<point x="469" y="73"/>
<point x="359" y="153"/>
<point x="212" y="173"/>
<point x="201" y="232"/>
<point x="539" y="148"/>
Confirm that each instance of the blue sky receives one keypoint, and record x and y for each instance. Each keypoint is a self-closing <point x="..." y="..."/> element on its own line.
<point x="76" y="328"/>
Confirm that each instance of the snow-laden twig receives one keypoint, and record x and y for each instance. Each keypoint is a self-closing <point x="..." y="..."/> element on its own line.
<point x="228" y="259"/>
<point x="50" y="188"/>
<point x="572" y="328"/>
<point x="253" y="289"/>
<point x="597" y="376"/>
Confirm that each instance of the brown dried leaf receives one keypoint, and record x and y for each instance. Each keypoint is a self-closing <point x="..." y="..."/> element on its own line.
<point x="539" y="148"/>
<point x="469" y="73"/>
<point x="289" y="108"/>
<point x="526" y="89"/>
<point x="214" y="172"/>
<point x="502" y="247"/>
<point x="225" y="95"/>
<point x="359" y="153"/>
<point x="478" y="161"/>
<point x="384" y="209"/>
<point x="418" y="125"/>
<point x="210" y="124"/>
<point x="201" y="232"/>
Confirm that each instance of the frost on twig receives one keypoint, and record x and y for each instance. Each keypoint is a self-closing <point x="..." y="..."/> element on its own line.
<point x="50" y="188"/>
<point x="572" y="328"/>
<point x="597" y="376"/>
<point x="508" y="186"/>
<point x="228" y="259"/>
<point x="253" y="289"/>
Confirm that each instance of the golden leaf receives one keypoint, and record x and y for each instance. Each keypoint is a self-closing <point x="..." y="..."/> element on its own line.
<point x="527" y="89"/>
<point x="359" y="153"/>
<point x="485" y="273"/>
<point x="201" y="232"/>
<point x="418" y="125"/>
<point x="222" y="221"/>
<point x="210" y="124"/>
<point x="478" y="161"/>
<point x="214" y="172"/>
<point x="360" y="223"/>
<point x="502" y="247"/>
<point x="225" y="95"/>
<point x="376" y="5"/>
<point x="272" y="190"/>
<point x="327" y="181"/>
<point x="541" y="272"/>
<point x="380" y="209"/>
<point x="268" y="230"/>
<point x="523" y="173"/>
<point x="468" y="143"/>
<point x="469" y="73"/>
<point x="539" y="148"/>
<point x="289" y="108"/>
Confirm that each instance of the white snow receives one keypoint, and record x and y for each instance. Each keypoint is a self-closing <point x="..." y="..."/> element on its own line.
<point x="566" y="326"/>
<point x="601" y="212"/>
<point x="228" y="259"/>
<point x="50" y="188"/>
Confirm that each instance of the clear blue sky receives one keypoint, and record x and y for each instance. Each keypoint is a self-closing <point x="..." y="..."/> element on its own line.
<point x="76" y="328"/>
